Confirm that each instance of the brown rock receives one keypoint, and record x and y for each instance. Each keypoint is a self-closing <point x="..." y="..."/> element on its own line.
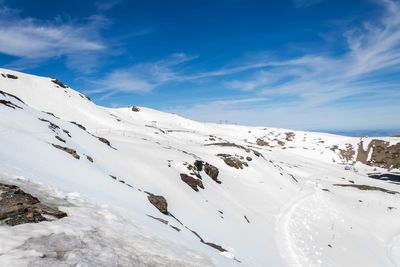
<point x="192" y="182"/>
<point x="261" y="142"/>
<point x="233" y="161"/>
<point x="212" y="172"/>
<point x="159" y="202"/>
<point x="18" y="207"/>
<point x="70" y="151"/>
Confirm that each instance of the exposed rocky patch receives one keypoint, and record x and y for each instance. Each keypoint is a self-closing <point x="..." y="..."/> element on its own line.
<point x="60" y="139"/>
<point x="346" y="154"/>
<point x="368" y="188"/>
<point x="217" y="247"/>
<point x="18" y="207"/>
<point x="11" y="95"/>
<point x="70" y="151"/>
<point x="194" y="170"/>
<point x="67" y="133"/>
<point x="233" y="161"/>
<point x="290" y="136"/>
<point x="192" y="182"/>
<point x="52" y="126"/>
<point x="158" y="219"/>
<point x="212" y="172"/>
<point x="382" y="154"/>
<point x="79" y="125"/>
<point x="261" y="142"/>
<point x="51" y="114"/>
<point x="135" y="109"/>
<point x="11" y="76"/>
<point x="59" y="83"/>
<point x="105" y="141"/>
<point x="159" y="202"/>
<point x="9" y="104"/>
<point x="89" y="158"/>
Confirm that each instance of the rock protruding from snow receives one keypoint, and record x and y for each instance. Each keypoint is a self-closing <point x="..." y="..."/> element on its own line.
<point x="212" y="171"/>
<point x="159" y="202"/>
<point x="18" y="207"/>
<point x="192" y="182"/>
<point x="382" y="154"/>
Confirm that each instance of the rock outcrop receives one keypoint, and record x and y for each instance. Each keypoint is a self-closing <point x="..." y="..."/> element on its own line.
<point x="212" y="172"/>
<point x="159" y="202"/>
<point x="379" y="153"/>
<point x="192" y="182"/>
<point x="18" y="207"/>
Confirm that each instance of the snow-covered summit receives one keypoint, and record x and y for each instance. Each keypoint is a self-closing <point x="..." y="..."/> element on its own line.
<point x="205" y="194"/>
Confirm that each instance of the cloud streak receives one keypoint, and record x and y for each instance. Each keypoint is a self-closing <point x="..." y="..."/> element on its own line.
<point x="32" y="40"/>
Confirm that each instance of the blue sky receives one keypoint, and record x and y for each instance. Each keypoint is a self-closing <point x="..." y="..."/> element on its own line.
<point x="301" y="64"/>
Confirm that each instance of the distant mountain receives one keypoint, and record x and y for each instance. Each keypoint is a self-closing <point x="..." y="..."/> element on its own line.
<point x="85" y="185"/>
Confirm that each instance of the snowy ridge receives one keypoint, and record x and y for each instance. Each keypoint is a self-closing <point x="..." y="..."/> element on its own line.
<point x="236" y="195"/>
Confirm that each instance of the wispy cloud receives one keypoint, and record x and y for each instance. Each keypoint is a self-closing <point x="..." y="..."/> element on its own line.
<point x="32" y="40"/>
<point x="320" y="84"/>
<point x="143" y="77"/>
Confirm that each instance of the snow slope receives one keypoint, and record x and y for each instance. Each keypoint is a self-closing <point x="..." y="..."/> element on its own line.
<point x="298" y="202"/>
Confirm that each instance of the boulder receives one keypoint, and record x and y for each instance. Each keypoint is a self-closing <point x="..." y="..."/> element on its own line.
<point x="212" y="172"/>
<point x="192" y="182"/>
<point x="159" y="202"/>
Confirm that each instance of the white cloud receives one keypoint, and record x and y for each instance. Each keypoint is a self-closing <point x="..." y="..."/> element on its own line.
<point x="32" y="40"/>
<point x="142" y="77"/>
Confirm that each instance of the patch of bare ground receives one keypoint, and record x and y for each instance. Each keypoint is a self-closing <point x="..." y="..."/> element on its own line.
<point x="368" y="188"/>
<point x="18" y="207"/>
<point x="233" y="161"/>
<point x="70" y="151"/>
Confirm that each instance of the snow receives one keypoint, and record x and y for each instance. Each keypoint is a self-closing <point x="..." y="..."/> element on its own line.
<point x="310" y="222"/>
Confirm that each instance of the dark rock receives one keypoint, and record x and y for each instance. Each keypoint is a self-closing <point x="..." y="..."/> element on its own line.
<point x="79" y="125"/>
<point x="66" y="132"/>
<point x="11" y="95"/>
<point x="233" y="161"/>
<point x="59" y="83"/>
<point x="89" y="158"/>
<point x="158" y="219"/>
<point x="175" y="228"/>
<point x="249" y="159"/>
<point x="135" y="109"/>
<point x="215" y="246"/>
<point x="12" y="76"/>
<point x="346" y="154"/>
<point x="70" y="151"/>
<point x="18" y="207"/>
<point x="290" y="136"/>
<point x="52" y="126"/>
<point x="192" y="182"/>
<point x="159" y="202"/>
<point x="212" y="172"/>
<point x="382" y="154"/>
<point x="51" y="114"/>
<point x="261" y="142"/>
<point x="199" y="165"/>
<point x="9" y="104"/>
<point x="104" y="140"/>
<point x="60" y="139"/>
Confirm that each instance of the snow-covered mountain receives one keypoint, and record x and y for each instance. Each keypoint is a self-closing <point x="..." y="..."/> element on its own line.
<point x="141" y="187"/>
